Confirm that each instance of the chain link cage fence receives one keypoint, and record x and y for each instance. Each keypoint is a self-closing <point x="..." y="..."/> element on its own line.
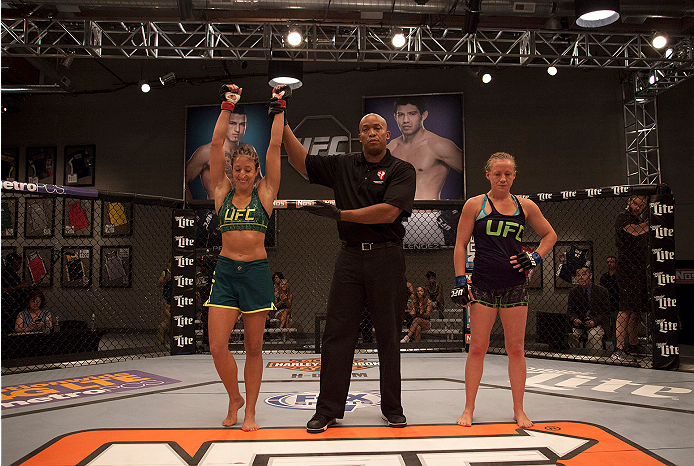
<point x="81" y="277"/>
<point x="99" y="265"/>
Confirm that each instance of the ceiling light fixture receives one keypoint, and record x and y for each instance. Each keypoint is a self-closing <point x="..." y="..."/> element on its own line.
<point x="294" y="38"/>
<point x="552" y="70"/>
<point x="659" y="40"/>
<point x="145" y="87"/>
<point x="486" y="78"/>
<point x="596" y="13"/>
<point x="285" y="72"/>
<point x="398" y="38"/>
<point x="168" y="78"/>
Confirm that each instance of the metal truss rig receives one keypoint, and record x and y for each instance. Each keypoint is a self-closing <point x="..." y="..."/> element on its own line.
<point x="33" y="37"/>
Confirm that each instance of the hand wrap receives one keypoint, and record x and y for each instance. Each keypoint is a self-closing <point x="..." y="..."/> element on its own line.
<point x="528" y="260"/>
<point x="230" y="94"/>
<point x="461" y="293"/>
<point x="278" y="102"/>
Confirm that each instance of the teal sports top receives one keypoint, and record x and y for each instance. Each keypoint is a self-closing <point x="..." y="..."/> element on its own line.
<point x="253" y="217"/>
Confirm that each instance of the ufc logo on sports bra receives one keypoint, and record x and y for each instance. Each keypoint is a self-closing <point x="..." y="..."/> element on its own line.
<point x="504" y="228"/>
<point x="235" y="215"/>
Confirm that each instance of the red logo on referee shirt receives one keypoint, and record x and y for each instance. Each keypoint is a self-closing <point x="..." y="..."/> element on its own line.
<point x="381" y="174"/>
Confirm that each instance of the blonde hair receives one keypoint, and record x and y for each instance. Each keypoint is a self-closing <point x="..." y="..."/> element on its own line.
<point x="246" y="151"/>
<point x="498" y="156"/>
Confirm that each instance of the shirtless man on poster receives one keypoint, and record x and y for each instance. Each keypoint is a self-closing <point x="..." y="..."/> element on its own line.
<point x="199" y="163"/>
<point x="432" y="155"/>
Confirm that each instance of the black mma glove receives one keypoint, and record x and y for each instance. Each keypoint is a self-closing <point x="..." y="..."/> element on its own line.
<point x="278" y="102"/>
<point x="323" y="209"/>
<point x="230" y="95"/>
<point x="528" y="260"/>
<point x="461" y="293"/>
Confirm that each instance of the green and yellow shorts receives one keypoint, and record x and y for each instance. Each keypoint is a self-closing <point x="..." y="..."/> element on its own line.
<point x="244" y="286"/>
<point x="508" y="297"/>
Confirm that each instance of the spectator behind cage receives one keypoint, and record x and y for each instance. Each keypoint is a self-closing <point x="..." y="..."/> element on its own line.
<point x="435" y="291"/>
<point x="14" y="291"/>
<point x="420" y="309"/>
<point x="34" y="318"/>
<point x="166" y="282"/>
<point x="284" y="306"/>
<point x="589" y="311"/>
<point x="631" y="235"/>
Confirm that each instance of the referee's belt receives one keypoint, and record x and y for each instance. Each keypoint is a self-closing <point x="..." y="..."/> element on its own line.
<point x="370" y="246"/>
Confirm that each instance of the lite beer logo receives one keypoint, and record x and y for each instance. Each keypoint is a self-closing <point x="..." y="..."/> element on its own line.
<point x="665" y="326"/>
<point x="662" y="256"/>
<point x="183" y="301"/>
<point x="662" y="232"/>
<point x="182" y="261"/>
<point x="182" y="341"/>
<point x="307" y="401"/>
<point x="667" y="350"/>
<point x="665" y="302"/>
<point x="313" y="364"/>
<point x="663" y="278"/>
<point x="183" y="281"/>
<point x="184" y="222"/>
<point x="182" y="321"/>
<point x="617" y="190"/>
<point x="568" y="194"/>
<point x="594" y="192"/>
<point x="184" y="242"/>
<point x="566" y="443"/>
<point x="562" y="381"/>
<point x="662" y="209"/>
<point x="545" y="196"/>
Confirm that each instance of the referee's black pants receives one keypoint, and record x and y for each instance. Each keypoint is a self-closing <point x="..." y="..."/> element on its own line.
<point x="376" y="277"/>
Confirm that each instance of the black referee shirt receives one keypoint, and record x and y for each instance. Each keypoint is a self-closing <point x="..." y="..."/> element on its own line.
<point x="358" y="183"/>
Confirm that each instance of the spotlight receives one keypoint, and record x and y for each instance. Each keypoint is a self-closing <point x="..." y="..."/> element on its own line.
<point x="144" y="86"/>
<point x="398" y="38"/>
<point x="659" y="41"/>
<point x="669" y="52"/>
<point x="285" y="72"/>
<point x="168" y="78"/>
<point x="67" y="61"/>
<point x="652" y="79"/>
<point x="486" y="78"/>
<point x="294" y="37"/>
<point x="596" y="13"/>
<point x="552" y="70"/>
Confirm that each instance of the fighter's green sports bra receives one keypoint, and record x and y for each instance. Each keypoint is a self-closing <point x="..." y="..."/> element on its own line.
<point x="253" y="217"/>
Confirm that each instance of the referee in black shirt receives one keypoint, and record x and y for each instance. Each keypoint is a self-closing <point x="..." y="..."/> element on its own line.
<point x="373" y="192"/>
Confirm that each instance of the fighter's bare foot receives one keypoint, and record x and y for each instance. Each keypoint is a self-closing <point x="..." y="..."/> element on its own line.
<point x="522" y="419"/>
<point x="232" y="415"/>
<point x="249" y="424"/>
<point x="465" y="419"/>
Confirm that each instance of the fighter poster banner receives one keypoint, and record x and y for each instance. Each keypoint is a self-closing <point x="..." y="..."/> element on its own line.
<point x="427" y="131"/>
<point x="183" y="289"/>
<point x="249" y="125"/>
<point x="663" y="274"/>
